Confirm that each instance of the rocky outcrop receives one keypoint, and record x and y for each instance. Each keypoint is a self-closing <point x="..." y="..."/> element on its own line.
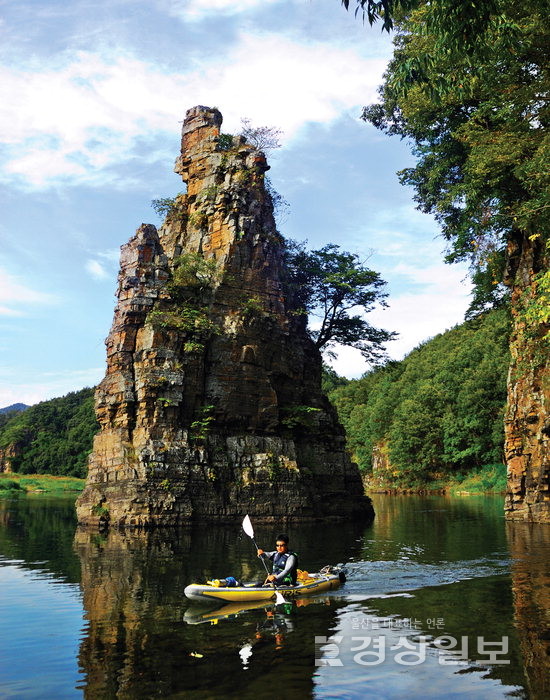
<point x="7" y="455"/>
<point x="211" y="405"/>
<point x="527" y="421"/>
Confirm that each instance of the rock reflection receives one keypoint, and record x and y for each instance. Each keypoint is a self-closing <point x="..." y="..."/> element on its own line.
<point x="530" y="546"/>
<point x="138" y="641"/>
<point x="131" y="585"/>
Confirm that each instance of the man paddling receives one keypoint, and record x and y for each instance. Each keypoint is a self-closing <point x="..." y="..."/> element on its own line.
<point x="285" y="563"/>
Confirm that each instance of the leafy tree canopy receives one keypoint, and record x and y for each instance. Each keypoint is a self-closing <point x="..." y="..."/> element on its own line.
<point x="477" y="120"/>
<point x="458" y="23"/>
<point x="334" y="286"/>
<point x="52" y="437"/>
<point x="438" y="410"/>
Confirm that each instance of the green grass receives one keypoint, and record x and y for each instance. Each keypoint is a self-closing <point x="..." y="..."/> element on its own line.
<point x="11" y="484"/>
<point x="491" y="478"/>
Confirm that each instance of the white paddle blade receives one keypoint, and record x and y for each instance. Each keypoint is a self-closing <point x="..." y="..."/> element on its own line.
<point x="279" y="599"/>
<point x="247" y="527"/>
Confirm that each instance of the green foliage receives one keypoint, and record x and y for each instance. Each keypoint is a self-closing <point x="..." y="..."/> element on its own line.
<point x="200" y="427"/>
<point x="102" y="511"/>
<point x="192" y="346"/>
<point x="53" y="437"/>
<point x="9" y="486"/>
<point x="331" y="380"/>
<point x="460" y="25"/>
<point x="198" y="219"/>
<point x="252" y="306"/>
<point x="438" y="410"/>
<point x="14" y="483"/>
<point x="165" y="205"/>
<point x="330" y="284"/>
<point x="195" y="322"/>
<point x="225" y="142"/>
<point x="489" y="478"/>
<point x="166" y="402"/>
<point x="193" y="275"/>
<point x="209" y="194"/>
<point x="7" y="416"/>
<point x="474" y="113"/>
<point x="299" y="416"/>
<point x="537" y="311"/>
<point x="190" y="288"/>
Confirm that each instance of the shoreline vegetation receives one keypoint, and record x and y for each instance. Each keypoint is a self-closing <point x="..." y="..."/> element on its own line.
<point x="12" y="484"/>
<point x="490" y="478"/>
<point x="485" y="480"/>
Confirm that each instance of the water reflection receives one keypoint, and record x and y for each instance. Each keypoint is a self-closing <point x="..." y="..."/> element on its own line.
<point x="38" y="531"/>
<point x="530" y="549"/>
<point x="450" y="565"/>
<point x="139" y="641"/>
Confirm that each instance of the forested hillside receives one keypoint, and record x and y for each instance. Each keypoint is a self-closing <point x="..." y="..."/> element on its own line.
<point x="437" y="412"/>
<point x="52" y="437"/>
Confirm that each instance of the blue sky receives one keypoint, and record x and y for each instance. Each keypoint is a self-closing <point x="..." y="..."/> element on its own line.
<point x="92" y="95"/>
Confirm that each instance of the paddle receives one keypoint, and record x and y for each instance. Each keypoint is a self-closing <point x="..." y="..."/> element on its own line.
<point x="249" y="530"/>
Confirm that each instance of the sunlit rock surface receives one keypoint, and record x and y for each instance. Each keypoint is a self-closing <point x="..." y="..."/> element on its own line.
<point x="221" y="413"/>
<point x="527" y="421"/>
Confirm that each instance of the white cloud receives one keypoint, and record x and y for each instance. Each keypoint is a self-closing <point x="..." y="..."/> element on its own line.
<point x="439" y="304"/>
<point x="71" y="121"/>
<point x="195" y="10"/>
<point x="46" y="385"/>
<point x="96" y="270"/>
<point x="6" y="311"/>
<point x="112" y="255"/>
<point x="15" y="293"/>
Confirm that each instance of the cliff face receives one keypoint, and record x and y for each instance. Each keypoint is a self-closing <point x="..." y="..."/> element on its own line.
<point x="211" y="405"/>
<point x="527" y="421"/>
<point x="7" y="455"/>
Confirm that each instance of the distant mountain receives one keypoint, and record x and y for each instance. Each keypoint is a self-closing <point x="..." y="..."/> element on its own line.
<point x="14" y="407"/>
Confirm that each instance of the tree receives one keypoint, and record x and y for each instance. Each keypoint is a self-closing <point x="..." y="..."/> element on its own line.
<point x="477" y="116"/>
<point x="264" y="138"/>
<point x="330" y="284"/>
<point x="438" y="410"/>
<point x="458" y="23"/>
<point x="481" y="145"/>
<point x="52" y="437"/>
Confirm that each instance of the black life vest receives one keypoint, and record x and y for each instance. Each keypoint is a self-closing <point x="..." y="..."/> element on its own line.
<point x="279" y="563"/>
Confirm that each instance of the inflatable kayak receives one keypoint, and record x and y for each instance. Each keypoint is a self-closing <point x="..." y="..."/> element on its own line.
<point x="327" y="579"/>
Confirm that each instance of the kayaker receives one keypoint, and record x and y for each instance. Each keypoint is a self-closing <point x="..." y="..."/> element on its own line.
<point x="285" y="563"/>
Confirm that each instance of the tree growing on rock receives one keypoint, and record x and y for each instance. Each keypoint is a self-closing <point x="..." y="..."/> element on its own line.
<point x="264" y="138"/>
<point x="336" y="288"/>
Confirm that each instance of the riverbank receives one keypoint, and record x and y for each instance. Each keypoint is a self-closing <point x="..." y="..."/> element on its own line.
<point x="490" y="478"/>
<point x="13" y="484"/>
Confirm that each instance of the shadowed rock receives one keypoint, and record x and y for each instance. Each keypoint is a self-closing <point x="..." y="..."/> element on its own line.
<point x="212" y="405"/>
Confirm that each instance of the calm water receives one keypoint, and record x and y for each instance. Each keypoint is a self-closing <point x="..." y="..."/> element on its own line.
<point x="441" y="592"/>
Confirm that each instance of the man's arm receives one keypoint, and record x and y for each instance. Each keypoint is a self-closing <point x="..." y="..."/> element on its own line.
<point x="266" y="555"/>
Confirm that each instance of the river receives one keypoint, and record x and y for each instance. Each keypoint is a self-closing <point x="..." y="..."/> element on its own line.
<point x="444" y="599"/>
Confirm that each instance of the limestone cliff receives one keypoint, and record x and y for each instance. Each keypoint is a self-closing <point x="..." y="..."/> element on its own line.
<point x="527" y="421"/>
<point x="211" y="406"/>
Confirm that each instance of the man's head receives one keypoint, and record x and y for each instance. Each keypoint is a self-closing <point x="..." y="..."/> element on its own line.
<point x="281" y="543"/>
